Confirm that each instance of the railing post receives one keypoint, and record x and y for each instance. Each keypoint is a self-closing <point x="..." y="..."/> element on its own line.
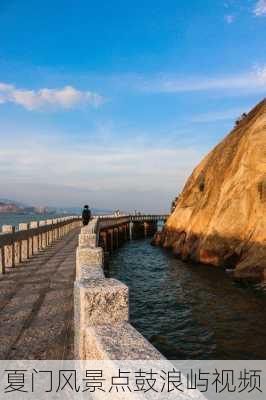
<point x="57" y="232"/>
<point x="47" y="234"/>
<point x="35" y="237"/>
<point x="61" y="228"/>
<point x="50" y="231"/>
<point x="3" y="264"/>
<point x="42" y="235"/>
<point x="65" y="227"/>
<point x="17" y="247"/>
<point x="25" y="243"/>
<point x="55" y="229"/>
<point x="9" y="253"/>
<point x="30" y="240"/>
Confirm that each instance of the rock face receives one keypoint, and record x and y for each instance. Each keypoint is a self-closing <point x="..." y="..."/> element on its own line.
<point x="220" y="217"/>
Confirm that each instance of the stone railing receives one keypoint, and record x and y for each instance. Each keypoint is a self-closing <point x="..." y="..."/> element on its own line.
<point x="102" y="327"/>
<point x="112" y="222"/>
<point x="19" y="245"/>
<point x="101" y="311"/>
<point x="148" y="217"/>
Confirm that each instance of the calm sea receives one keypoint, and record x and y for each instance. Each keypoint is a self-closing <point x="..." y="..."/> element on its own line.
<point x="190" y="311"/>
<point x="15" y="219"/>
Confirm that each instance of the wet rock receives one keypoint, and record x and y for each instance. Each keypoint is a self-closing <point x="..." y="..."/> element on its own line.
<point x="156" y="239"/>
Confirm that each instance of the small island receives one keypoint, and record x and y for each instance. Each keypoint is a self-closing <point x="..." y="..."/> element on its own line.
<point x="13" y="207"/>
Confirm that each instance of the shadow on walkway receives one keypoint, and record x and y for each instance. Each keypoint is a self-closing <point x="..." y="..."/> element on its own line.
<point x="36" y="305"/>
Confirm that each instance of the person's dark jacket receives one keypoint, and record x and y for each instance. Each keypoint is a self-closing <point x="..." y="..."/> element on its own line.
<point x="86" y="216"/>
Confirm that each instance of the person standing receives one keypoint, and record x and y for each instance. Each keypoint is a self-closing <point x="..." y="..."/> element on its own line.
<point x="86" y="215"/>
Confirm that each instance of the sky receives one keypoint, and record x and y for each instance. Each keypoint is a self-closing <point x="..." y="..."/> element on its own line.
<point x="114" y="103"/>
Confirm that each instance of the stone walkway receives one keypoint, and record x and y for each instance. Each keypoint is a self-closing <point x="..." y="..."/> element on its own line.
<point x="36" y="305"/>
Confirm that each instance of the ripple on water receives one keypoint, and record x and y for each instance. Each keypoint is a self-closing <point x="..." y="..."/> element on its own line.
<point x="190" y="311"/>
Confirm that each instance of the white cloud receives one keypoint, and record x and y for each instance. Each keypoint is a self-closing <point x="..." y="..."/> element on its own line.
<point x="50" y="161"/>
<point x="67" y="97"/>
<point x="260" y="8"/>
<point x="229" y="19"/>
<point x="113" y="168"/>
<point x="254" y="80"/>
<point x="5" y="87"/>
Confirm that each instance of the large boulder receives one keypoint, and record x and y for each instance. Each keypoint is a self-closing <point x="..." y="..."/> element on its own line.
<point x="220" y="216"/>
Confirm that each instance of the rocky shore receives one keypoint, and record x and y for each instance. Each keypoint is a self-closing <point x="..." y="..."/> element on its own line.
<point x="220" y="216"/>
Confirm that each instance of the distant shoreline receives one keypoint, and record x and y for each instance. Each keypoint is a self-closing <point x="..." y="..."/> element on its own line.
<point x="15" y="219"/>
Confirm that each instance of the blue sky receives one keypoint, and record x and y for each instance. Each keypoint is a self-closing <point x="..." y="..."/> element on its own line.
<point x="115" y="102"/>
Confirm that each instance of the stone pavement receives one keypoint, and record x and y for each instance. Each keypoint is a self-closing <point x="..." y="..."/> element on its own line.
<point x="36" y="304"/>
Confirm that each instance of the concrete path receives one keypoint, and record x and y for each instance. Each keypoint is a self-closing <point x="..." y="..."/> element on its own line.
<point x="36" y="304"/>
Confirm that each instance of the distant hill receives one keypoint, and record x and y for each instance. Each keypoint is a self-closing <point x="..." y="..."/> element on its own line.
<point x="11" y="206"/>
<point x="6" y="208"/>
<point x="13" y="202"/>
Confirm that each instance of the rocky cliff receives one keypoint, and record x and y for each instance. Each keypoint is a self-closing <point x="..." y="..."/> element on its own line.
<point x="220" y="216"/>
